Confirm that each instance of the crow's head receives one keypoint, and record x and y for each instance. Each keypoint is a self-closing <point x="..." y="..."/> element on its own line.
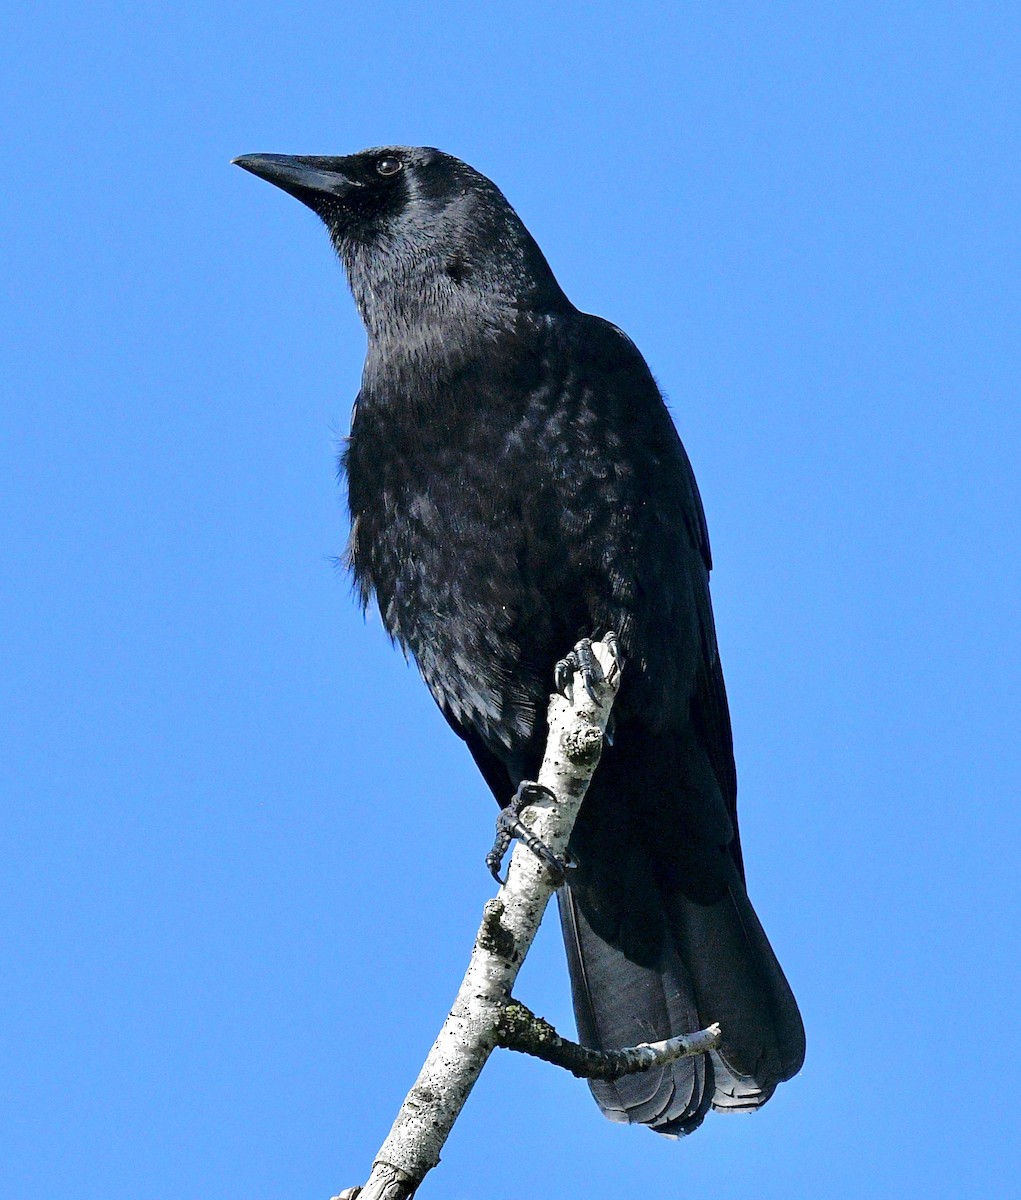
<point x="421" y="234"/>
<point x="378" y="193"/>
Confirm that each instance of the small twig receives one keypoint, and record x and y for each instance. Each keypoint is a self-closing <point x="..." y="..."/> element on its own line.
<point x="509" y="925"/>
<point x="521" y="1030"/>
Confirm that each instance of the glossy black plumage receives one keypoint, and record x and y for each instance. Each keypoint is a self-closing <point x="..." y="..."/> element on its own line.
<point x="516" y="483"/>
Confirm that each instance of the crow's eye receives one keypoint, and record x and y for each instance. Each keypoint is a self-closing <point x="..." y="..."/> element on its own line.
<point x="389" y="166"/>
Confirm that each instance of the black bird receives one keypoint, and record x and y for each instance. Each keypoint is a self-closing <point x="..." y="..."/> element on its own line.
<point x="516" y="485"/>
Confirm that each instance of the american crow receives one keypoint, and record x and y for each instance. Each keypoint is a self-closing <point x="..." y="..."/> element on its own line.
<point x="516" y="484"/>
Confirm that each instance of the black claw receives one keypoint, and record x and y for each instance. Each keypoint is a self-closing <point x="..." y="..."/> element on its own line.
<point x="563" y="676"/>
<point x="509" y="826"/>
<point x="611" y="641"/>
<point x="582" y="660"/>
<point x="494" y="859"/>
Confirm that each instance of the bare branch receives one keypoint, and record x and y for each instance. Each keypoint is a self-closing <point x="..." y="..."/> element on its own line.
<point x="521" y="1030"/>
<point x="509" y="924"/>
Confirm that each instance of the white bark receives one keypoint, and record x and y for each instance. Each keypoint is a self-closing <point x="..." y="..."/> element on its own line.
<point x="509" y="925"/>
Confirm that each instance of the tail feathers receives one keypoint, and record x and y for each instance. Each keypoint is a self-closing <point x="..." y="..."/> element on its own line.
<point x="738" y="982"/>
<point x="618" y="1002"/>
<point x="713" y="963"/>
<point x="737" y="1093"/>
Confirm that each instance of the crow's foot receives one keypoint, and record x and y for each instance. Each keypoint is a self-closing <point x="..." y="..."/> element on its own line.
<point x="509" y="826"/>
<point x="581" y="659"/>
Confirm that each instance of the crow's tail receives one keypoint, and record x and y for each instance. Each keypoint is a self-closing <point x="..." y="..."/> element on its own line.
<point x="661" y="966"/>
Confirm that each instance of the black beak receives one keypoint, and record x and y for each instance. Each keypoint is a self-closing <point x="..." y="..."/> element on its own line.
<point x="309" y="179"/>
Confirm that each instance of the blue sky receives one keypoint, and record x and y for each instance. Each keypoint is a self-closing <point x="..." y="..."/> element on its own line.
<point x="242" y="854"/>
